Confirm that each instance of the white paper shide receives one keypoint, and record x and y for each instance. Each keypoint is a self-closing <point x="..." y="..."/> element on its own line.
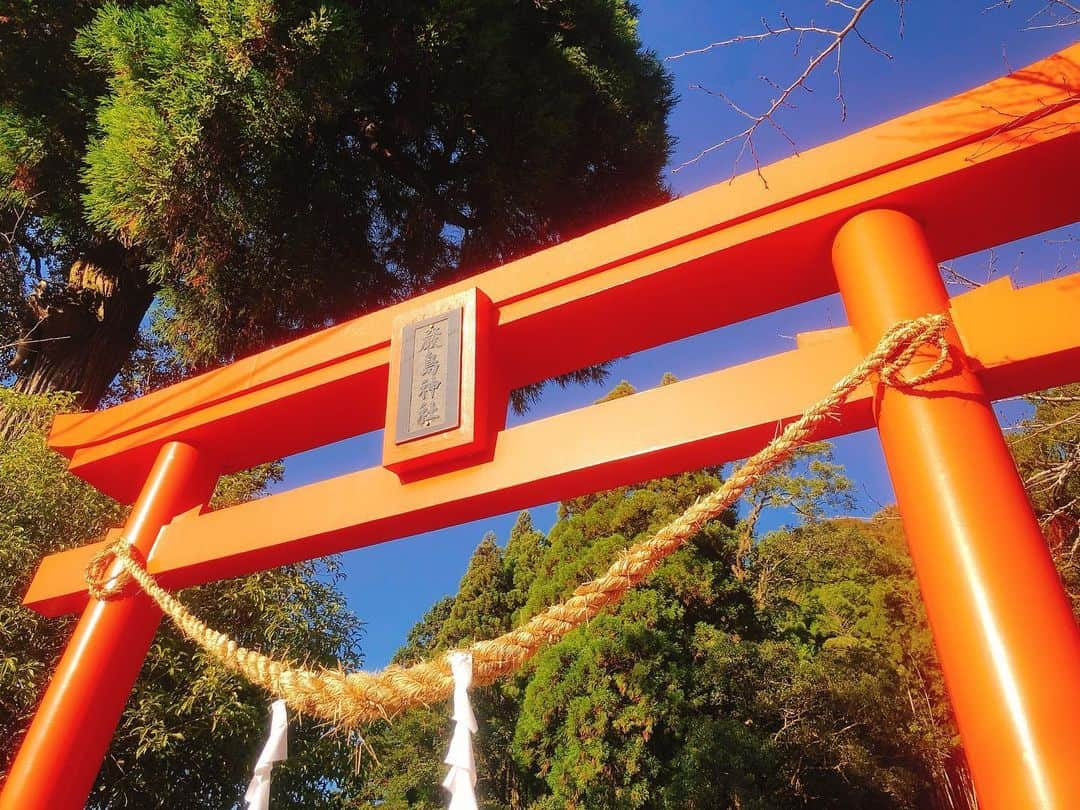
<point x="276" y="749"/>
<point x="461" y="779"/>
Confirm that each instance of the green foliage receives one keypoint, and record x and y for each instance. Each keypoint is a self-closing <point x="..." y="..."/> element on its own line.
<point x="276" y="166"/>
<point x="1047" y="452"/>
<point x="191" y="730"/>
<point x="44" y="96"/>
<point x="42" y="510"/>
<point x="811" y="679"/>
<point x="524" y="551"/>
<point x="480" y="609"/>
<point x="863" y="703"/>
<point x="781" y="670"/>
<point x="423" y="638"/>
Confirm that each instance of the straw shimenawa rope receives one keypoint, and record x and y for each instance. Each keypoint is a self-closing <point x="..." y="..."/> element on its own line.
<point x="352" y="699"/>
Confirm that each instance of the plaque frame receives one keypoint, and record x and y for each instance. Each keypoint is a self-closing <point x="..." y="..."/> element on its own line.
<point x="459" y="437"/>
<point x="451" y="412"/>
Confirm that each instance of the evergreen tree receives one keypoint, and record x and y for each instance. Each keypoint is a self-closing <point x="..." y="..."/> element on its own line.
<point x="794" y="669"/>
<point x="423" y="637"/>
<point x="604" y="709"/>
<point x="480" y="609"/>
<point x="262" y="168"/>
<point x="411" y="773"/>
<point x="524" y="550"/>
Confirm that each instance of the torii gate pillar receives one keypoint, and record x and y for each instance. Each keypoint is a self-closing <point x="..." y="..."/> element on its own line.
<point x="70" y="735"/>
<point x="1008" y="643"/>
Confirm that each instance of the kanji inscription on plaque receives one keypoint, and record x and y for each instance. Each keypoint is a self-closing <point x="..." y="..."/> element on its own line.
<point x="429" y="387"/>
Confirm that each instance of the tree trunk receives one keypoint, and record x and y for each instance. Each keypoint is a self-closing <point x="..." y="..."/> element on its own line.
<point x="80" y="334"/>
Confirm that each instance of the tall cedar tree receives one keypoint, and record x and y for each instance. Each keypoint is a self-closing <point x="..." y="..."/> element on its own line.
<point x="264" y="168"/>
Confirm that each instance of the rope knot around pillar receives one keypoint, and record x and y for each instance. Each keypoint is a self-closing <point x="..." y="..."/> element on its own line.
<point x="352" y="699"/>
<point x="103" y="585"/>
<point x="905" y="340"/>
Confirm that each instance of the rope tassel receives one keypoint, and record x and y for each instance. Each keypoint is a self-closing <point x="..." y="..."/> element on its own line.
<point x="461" y="778"/>
<point x="351" y="699"/>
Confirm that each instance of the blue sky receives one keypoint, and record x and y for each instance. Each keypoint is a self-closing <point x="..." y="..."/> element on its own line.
<point x="946" y="47"/>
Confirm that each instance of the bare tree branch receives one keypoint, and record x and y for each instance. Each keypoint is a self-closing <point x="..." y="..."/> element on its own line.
<point x="953" y="276"/>
<point x="1051" y="14"/>
<point x="832" y="49"/>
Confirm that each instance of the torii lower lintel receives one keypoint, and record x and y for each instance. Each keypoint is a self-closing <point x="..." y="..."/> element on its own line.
<point x="686" y="425"/>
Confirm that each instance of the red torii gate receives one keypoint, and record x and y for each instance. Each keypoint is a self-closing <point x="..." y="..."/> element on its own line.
<point x="869" y="215"/>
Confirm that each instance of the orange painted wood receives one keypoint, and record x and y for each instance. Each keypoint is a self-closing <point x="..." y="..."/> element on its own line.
<point x="727" y="253"/>
<point x="60" y="755"/>
<point x="704" y="420"/>
<point x="991" y="342"/>
<point x="1003" y="626"/>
